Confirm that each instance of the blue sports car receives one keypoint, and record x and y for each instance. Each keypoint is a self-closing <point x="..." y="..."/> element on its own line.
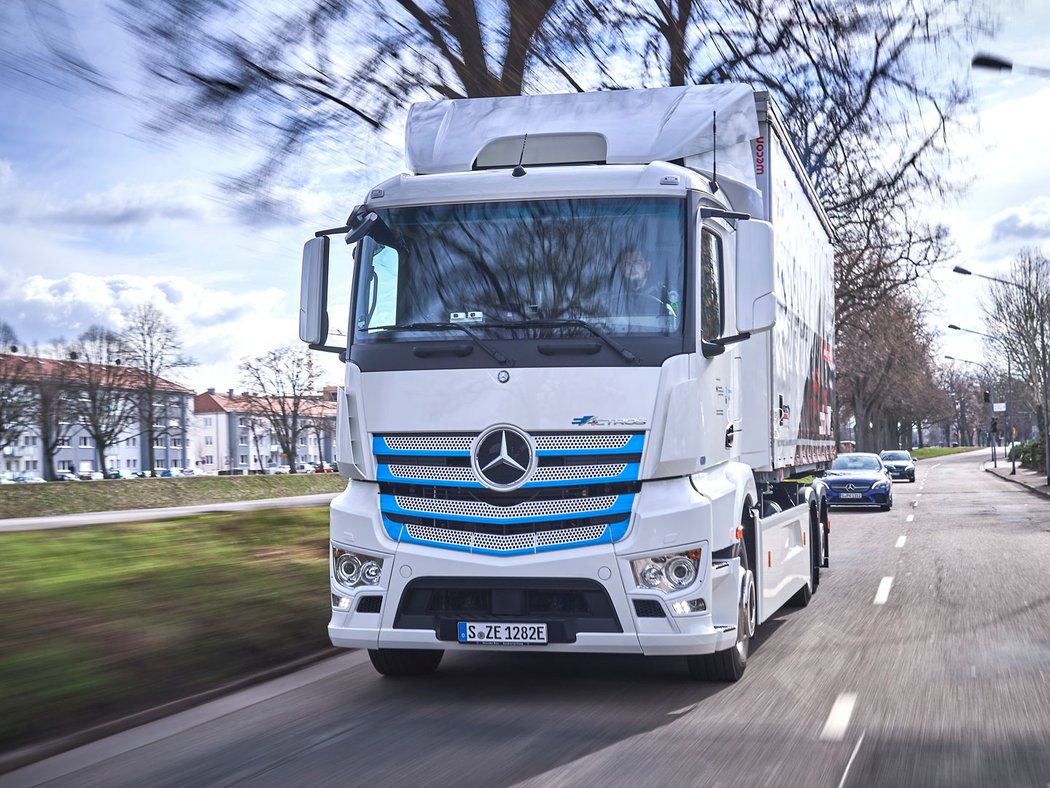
<point x="859" y="479"/>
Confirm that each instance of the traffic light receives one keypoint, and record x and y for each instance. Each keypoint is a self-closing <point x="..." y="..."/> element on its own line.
<point x="987" y="395"/>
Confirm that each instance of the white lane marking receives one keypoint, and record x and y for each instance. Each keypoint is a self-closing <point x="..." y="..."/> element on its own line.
<point x="884" y="591"/>
<point x="909" y="518"/>
<point x="853" y="757"/>
<point x="838" y="717"/>
<point x="901" y="540"/>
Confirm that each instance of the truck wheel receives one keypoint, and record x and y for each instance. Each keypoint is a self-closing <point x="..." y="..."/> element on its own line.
<point x="405" y="661"/>
<point x="729" y="664"/>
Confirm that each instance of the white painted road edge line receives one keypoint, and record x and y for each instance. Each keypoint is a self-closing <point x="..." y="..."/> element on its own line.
<point x="884" y="591"/>
<point x="901" y="540"/>
<point x="852" y="758"/>
<point x="909" y="518"/>
<point x="838" y="717"/>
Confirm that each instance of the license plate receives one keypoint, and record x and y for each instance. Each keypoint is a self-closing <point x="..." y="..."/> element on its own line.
<point x="502" y="634"/>
<point x="850" y="495"/>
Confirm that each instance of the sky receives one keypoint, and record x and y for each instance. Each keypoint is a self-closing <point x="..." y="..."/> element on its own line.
<point x="97" y="215"/>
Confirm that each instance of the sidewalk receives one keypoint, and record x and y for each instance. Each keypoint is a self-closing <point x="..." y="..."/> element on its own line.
<point x="144" y="515"/>
<point x="1026" y="477"/>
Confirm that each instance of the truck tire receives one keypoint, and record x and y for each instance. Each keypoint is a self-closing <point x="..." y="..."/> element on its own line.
<point x="728" y="665"/>
<point x="405" y="661"/>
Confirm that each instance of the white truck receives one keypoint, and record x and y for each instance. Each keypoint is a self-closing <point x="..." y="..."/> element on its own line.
<point x="588" y="366"/>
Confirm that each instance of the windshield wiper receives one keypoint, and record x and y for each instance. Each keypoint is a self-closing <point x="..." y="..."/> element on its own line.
<point x="627" y="355"/>
<point x="499" y="357"/>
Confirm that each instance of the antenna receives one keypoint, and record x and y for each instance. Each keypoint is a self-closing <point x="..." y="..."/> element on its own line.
<point x="714" y="152"/>
<point x="519" y="170"/>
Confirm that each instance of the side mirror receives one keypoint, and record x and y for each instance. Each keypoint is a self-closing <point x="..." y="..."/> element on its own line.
<point x="756" y="302"/>
<point x="313" y="292"/>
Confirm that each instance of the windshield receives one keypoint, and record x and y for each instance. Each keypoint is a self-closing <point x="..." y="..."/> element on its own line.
<point x="895" y="455"/>
<point x="856" y="462"/>
<point x="616" y="264"/>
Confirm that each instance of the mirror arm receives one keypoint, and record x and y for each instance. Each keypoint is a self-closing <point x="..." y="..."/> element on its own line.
<point x="330" y="349"/>
<point x="333" y="231"/>
<point x="723" y="341"/>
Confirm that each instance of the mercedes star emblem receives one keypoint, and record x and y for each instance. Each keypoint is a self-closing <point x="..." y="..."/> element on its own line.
<point x="503" y="457"/>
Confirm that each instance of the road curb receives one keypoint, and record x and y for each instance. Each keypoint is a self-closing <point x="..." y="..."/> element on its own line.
<point x="1020" y="480"/>
<point x="32" y="753"/>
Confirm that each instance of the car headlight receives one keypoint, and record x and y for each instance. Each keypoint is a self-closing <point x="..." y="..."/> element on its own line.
<point x="667" y="573"/>
<point x="881" y="485"/>
<point x="356" y="569"/>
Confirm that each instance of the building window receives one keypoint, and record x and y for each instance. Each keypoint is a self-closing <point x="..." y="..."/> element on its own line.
<point x="244" y="459"/>
<point x="206" y="421"/>
<point x="65" y="465"/>
<point x="131" y="463"/>
<point x="243" y="439"/>
<point x="158" y="463"/>
<point x="85" y="442"/>
<point x="32" y="465"/>
<point x="29" y="440"/>
<point x="176" y="443"/>
<point x="63" y="442"/>
<point x="209" y="440"/>
<point x="131" y="442"/>
<point x="209" y="459"/>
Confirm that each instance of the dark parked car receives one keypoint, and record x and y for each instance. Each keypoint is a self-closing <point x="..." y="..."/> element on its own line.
<point x="899" y="464"/>
<point x="859" y="479"/>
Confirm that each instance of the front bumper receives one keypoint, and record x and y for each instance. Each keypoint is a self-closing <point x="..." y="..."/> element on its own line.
<point x="620" y="618"/>
<point x="870" y="498"/>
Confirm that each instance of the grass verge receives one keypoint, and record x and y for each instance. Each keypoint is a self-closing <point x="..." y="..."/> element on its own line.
<point x="110" y="495"/>
<point x="103" y="622"/>
<point x="940" y="451"/>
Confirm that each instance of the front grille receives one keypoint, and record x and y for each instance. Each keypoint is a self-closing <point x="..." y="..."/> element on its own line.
<point x="568" y="605"/>
<point x="580" y="492"/>
<point x="850" y="486"/>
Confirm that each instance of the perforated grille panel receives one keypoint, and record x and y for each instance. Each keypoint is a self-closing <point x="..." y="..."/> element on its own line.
<point x="580" y="442"/>
<point x="429" y="442"/>
<point x="505" y="543"/>
<point x="490" y="512"/>
<point x="438" y="473"/>
<point x="442" y="473"/>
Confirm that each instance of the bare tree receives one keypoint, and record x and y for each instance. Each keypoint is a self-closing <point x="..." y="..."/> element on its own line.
<point x="281" y="385"/>
<point x="1018" y="314"/>
<point x="50" y="382"/>
<point x="150" y="342"/>
<point x="16" y="405"/>
<point x="106" y="403"/>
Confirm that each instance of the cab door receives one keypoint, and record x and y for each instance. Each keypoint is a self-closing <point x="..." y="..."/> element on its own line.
<point x="715" y="360"/>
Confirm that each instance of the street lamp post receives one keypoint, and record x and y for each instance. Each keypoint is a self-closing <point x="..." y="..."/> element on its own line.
<point x="996" y="63"/>
<point x="1042" y="356"/>
<point x="1010" y="392"/>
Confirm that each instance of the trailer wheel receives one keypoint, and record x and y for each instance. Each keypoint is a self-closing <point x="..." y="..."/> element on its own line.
<point x="729" y="664"/>
<point x="405" y="661"/>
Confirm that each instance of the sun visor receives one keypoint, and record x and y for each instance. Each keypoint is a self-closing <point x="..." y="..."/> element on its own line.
<point x="615" y="126"/>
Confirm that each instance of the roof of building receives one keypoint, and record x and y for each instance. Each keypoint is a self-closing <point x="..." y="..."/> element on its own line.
<point x="212" y="402"/>
<point x="27" y="368"/>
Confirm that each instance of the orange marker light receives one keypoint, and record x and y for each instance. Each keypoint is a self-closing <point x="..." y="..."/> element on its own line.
<point x="739" y="532"/>
<point x="769" y="558"/>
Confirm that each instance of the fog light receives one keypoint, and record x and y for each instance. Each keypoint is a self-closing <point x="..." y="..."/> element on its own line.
<point x="689" y="606"/>
<point x="680" y="572"/>
<point x="340" y="602"/>
<point x="370" y="573"/>
<point x="348" y="569"/>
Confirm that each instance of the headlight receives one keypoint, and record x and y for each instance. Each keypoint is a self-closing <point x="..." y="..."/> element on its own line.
<point x="356" y="569"/>
<point x="881" y="485"/>
<point x="667" y="573"/>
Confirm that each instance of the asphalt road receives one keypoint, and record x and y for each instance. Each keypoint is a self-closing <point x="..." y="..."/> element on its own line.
<point x="923" y="660"/>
